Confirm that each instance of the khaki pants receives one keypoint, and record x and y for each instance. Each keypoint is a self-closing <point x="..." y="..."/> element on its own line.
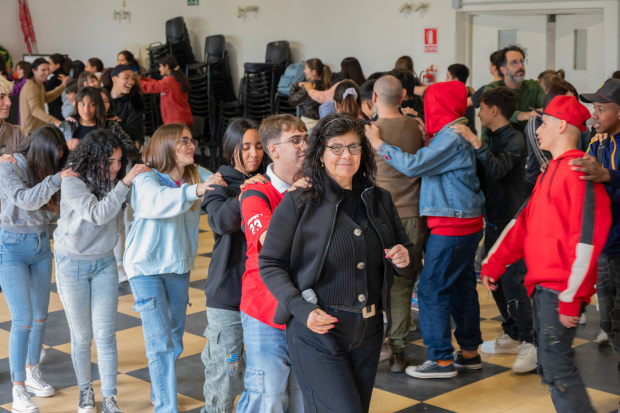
<point x="403" y="288"/>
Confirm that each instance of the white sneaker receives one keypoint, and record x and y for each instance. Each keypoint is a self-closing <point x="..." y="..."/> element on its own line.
<point x="122" y="275"/>
<point x="582" y="319"/>
<point x="21" y="401"/>
<point x="602" y="337"/>
<point x="526" y="360"/>
<point x="502" y="344"/>
<point x="35" y="383"/>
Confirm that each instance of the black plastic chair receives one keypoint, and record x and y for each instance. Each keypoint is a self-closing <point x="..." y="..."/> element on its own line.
<point x="175" y="28"/>
<point x="278" y="52"/>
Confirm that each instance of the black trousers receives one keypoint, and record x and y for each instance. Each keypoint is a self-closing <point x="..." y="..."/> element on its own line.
<point x="336" y="371"/>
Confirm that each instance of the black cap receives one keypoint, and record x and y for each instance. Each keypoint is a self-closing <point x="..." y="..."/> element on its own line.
<point x="608" y="92"/>
<point x="120" y="68"/>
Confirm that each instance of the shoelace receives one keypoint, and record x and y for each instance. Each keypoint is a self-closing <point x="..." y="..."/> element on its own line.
<point x="23" y="396"/>
<point x="36" y="376"/>
<point x="456" y="355"/>
<point x="427" y="365"/>
<point x="89" y="396"/>
<point x="110" y="403"/>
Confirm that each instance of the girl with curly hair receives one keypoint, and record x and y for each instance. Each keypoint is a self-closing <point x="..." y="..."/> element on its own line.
<point x="331" y="264"/>
<point x="86" y="273"/>
<point x="30" y="198"/>
<point x="161" y="248"/>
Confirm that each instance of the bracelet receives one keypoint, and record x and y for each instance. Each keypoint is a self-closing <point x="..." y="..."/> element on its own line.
<point x="126" y="186"/>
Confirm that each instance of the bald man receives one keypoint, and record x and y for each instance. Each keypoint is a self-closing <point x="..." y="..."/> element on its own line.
<point x="404" y="133"/>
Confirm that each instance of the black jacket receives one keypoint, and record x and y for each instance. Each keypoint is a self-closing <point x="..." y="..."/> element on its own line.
<point x="502" y="178"/>
<point x="55" y="106"/>
<point x="130" y="109"/>
<point x="293" y="255"/>
<point x="223" y="286"/>
<point x="307" y="106"/>
<point x="68" y="130"/>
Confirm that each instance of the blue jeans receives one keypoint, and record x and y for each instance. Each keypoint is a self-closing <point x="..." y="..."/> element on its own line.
<point x="162" y="302"/>
<point x="89" y="292"/>
<point x="448" y="287"/>
<point x="270" y="384"/>
<point x="26" y="278"/>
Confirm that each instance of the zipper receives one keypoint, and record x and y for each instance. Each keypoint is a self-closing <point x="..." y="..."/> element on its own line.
<point x="329" y="240"/>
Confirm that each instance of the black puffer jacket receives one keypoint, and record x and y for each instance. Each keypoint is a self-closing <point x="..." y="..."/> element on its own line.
<point x="223" y="287"/>
<point x="502" y="176"/>
<point x="130" y="110"/>
<point x="307" y="106"/>
<point x="293" y="255"/>
<point x="68" y="129"/>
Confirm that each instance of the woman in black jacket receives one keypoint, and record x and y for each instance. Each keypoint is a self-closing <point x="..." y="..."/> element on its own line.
<point x="330" y="264"/>
<point x="223" y="353"/>
<point x="320" y="76"/>
<point x="60" y="67"/>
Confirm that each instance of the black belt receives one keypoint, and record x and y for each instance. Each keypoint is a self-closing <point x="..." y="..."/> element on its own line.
<point x="366" y="311"/>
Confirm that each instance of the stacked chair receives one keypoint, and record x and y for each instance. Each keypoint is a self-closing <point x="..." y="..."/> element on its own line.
<point x="152" y="117"/>
<point x="177" y="39"/>
<point x="260" y="81"/>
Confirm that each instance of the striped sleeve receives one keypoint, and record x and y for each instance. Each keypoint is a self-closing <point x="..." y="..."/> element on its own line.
<point x="508" y="249"/>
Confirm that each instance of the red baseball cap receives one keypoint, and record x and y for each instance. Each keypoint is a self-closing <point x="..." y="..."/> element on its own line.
<point x="569" y="109"/>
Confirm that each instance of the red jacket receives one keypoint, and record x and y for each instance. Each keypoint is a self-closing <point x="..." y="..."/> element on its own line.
<point x="560" y="231"/>
<point x="174" y="103"/>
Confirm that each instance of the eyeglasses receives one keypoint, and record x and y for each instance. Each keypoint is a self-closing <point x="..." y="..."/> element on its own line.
<point x="517" y="63"/>
<point x="354" y="149"/>
<point x="296" y="141"/>
<point x="188" y="142"/>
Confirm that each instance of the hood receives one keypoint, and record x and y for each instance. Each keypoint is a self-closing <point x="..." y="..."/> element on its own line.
<point x="132" y="99"/>
<point x="233" y="177"/>
<point x="444" y="102"/>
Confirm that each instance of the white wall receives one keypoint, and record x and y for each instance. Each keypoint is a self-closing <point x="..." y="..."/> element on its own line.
<point x="371" y="30"/>
<point x="11" y="37"/>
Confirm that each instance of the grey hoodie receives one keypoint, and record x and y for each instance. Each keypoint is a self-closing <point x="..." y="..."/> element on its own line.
<point x="21" y="205"/>
<point x="88" y="229"/>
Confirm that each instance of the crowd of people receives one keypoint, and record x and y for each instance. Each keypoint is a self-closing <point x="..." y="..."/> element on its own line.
<point x="325" y="226"/>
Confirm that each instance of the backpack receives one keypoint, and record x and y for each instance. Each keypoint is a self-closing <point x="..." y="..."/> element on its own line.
<point x="293" y="73"/>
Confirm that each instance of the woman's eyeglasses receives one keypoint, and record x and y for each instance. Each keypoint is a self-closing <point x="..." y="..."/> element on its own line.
<point x="354" y="149"/>
<point x="296" y="141"/>
<point x="188" y="142"/>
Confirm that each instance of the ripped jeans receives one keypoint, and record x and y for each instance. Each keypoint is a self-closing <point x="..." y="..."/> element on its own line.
<point x="162" y="302"/>
<point x="26" y="278"/>
<point x="556" y="364"/>
<point x="511" y="295"/>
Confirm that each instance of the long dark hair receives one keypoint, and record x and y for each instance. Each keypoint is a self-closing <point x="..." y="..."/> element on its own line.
<point x="177" y="73"/>
<point x="131" y="60"/>
<point x="349" y="104"/>
<point x="404" y="62"/>
<point x="41" y="152"/>
<point x="90" y="160"/>
<point x="331" y="126"/>
<point x="29" y="74"/>
<point x="25" y="66"/>
<point x="350" y="68"/>
<point x="233" y="142"/>
<point x="323" y="71"/>
<point x="64" y="62"/>
<point x="94" y="95"/>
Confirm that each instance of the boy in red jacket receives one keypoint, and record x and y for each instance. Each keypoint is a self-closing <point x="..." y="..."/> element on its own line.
<point x="560" y="231"/>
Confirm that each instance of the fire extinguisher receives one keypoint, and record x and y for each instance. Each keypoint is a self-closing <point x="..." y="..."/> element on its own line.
<point x="427" y="77"/>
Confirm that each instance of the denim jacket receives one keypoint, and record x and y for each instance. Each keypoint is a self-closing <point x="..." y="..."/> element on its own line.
<point x="450" y="187"/>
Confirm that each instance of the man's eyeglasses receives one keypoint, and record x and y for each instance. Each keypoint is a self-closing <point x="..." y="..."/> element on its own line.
<point x="354" y="149"/>
<point x="517" y="63"/>
<point x="296" y="141"/>
<point x="188" y="142"/>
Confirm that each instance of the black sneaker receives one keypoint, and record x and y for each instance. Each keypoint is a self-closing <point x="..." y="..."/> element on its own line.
<point x="87" y="400"/>
<point x="432" y="370"/>
<point x="462" y="362"/>
<point x="110" y="405"/>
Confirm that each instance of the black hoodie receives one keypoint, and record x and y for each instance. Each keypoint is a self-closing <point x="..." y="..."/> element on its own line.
<point x="130" y="109"/>
<point x="223" y="286"/>
<point x="55" y="106"/>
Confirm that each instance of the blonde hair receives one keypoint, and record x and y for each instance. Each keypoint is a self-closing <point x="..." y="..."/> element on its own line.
<point x="159" y="153"/>
<point x="6" y="86"/>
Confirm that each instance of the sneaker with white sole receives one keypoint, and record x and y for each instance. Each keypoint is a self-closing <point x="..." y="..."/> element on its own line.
<point x="431" y="370"/>
<point x="602" y="337"/>
<point x="110" y="405"/>
<point x="582" y="319"/>
<point x="503" y="344"/>
<point x="471" y="363"/>
<point x="22" y="402"/>
<point x="527" y="359"/>
<point x="35" y="383"/>
<point x="87" y="400"/>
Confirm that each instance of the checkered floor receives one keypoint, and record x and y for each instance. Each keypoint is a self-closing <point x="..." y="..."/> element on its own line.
<point x="493" y="389"/>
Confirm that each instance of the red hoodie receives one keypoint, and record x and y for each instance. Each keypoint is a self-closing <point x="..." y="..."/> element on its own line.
<point x="174" y="103"/>
<point x="560" y="231"/>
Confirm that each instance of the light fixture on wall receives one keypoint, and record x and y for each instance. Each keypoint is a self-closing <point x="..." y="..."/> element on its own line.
<point x="241" y="11"/>
<point x="412" y="6"/>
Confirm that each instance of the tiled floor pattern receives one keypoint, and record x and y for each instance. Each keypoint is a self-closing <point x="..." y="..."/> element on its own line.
<point x="493" y="389"/>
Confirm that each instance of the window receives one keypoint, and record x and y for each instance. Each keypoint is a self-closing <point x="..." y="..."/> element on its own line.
<point x="581" y="50"/>
<point x="506" y="38"/>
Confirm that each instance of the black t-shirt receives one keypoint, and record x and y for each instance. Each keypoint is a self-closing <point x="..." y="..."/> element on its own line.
<point x="82" y="130"/>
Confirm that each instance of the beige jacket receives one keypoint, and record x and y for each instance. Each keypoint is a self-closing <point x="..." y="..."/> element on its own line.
<point x="32" y="100"/>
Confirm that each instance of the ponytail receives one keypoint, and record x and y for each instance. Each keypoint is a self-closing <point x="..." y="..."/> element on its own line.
<point x="64" y="62"/>
<point x="348" y="97"/>
<point x="323" y="71"/>
<point x="177" y="73"/>
<point x="327" y="77"/>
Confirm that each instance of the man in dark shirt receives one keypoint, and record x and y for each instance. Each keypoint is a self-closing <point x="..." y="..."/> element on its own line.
<point x="460" y="73"/>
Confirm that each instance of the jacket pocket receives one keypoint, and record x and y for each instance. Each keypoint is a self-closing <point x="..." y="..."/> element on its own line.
<point x="153" y="245"/>
<point x="152" y="325"/>
<point x="540" y="250"/>
<point x="229" y="289"/>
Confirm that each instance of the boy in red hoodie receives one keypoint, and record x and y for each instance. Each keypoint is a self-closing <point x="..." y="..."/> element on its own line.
<point x="560" y="231"/>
